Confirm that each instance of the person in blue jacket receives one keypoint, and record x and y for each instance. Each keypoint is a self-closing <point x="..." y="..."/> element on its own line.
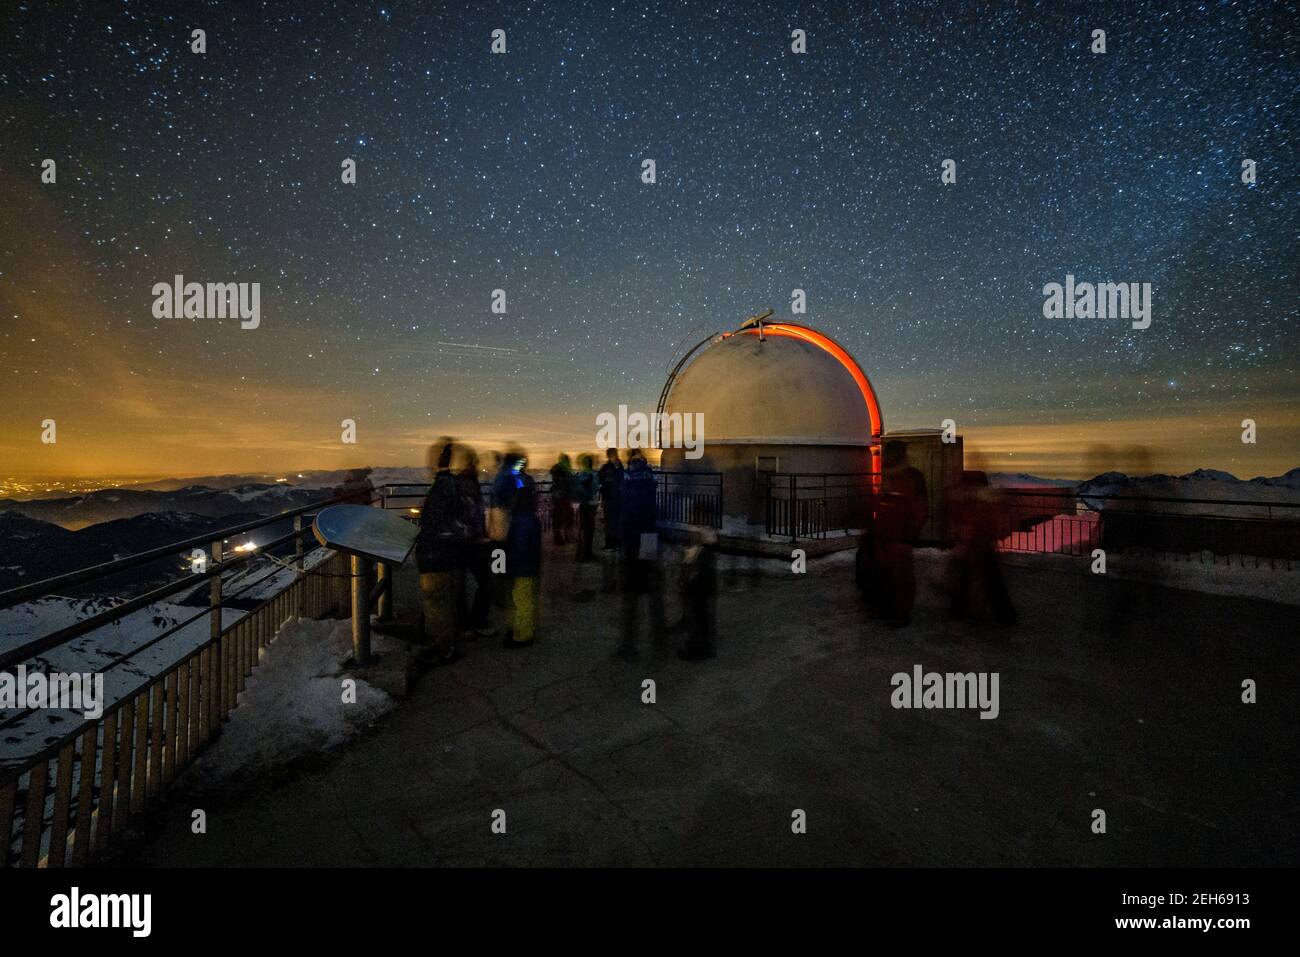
<point x="524" y="565"/>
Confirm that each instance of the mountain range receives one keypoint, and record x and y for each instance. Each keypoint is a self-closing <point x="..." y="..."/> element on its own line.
<point x="1201" y="483"/>
<point x="32" y="549"/>
<point x="43" y="537"/>
<point x="79" y="511"/>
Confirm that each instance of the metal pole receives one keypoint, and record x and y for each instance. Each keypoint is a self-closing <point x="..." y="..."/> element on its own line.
<point x="721" y="504"/>
<point x="360" y="610"/>
<point x="384" y="607"/>
<point x="794" y="511"/>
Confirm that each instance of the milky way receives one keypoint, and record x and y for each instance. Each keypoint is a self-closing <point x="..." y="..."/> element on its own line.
<point x="522" y="171"/>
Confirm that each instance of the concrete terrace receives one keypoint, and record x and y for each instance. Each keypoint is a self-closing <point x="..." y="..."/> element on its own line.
<point x="795" y="712"/>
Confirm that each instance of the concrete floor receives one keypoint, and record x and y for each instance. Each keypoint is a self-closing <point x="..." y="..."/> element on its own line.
<point x="795" y="713"/>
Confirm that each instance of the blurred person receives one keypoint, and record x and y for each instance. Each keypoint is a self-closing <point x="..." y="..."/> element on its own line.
<point x="506" y="484"/>
<point x="478" y="553"/>
<point x="901" y="511"/>
<point x="445" y="522"/>
<point x="586" y="494"/>
<point x="561" y="499"/>
<point x="357" y="489"/>
<point x="524" y="565"/>
<point x="699" y="595"/>
<point x="974" y="567"/>
<point x="638" y="531"/>
<point x="611" y="488"/>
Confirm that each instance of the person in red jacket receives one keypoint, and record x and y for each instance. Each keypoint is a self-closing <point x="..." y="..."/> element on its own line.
<point x="901" y="511"/>
<point x="974" y="570"/>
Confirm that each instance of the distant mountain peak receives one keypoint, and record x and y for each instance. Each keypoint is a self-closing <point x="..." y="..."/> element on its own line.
<point x="1289" y="480"/>
<point x="1211" y="475"/>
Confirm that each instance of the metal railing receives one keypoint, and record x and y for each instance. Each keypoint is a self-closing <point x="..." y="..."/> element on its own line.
<point x="689" y="498"/>
<point x="408" y="497"/>
<point x="67" y="799"/>
<point x="1058" y="520"/>
<point x="1063" y="521"/>
<point x="683" y="498"/>
<point x="818" y="504"/>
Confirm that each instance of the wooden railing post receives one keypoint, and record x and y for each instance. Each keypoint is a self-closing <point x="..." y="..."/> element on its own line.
<point x="152" y="734"/>
<point x="297" y="563"/>
<point x="360" y="610"/>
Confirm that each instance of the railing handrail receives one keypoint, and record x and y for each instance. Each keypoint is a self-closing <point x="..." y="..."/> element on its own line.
<point x="1055" y="491"/>
<point x="658" y="471"/>
<point x="135" y="603"/>
<point x="391" y="490"/>
<point x="824" y="474"/>
<point x="16" y="596"/>
<point x="176" y="712"/>
<point x="1059" y="492"/>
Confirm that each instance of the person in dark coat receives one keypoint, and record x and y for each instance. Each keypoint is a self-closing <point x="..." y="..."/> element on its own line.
<point x="699" y="595"/>
<point x="638" y="513"/>
<point x="478" y="553"/>
<point x="524" y="565"/>
<point x="357" y="489"/>
<point x="586" y="495"/>
<point x="445" y="521"/>
<point x="561" y="499"/>
<point x="610" y="477"/>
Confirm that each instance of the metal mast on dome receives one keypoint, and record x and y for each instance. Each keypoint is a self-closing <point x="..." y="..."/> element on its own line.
<point x="755" y="321"/>
<point x="672" y="375"/>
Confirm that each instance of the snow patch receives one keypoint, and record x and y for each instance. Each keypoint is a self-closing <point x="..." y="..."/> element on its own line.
<point x="293" y="704"/>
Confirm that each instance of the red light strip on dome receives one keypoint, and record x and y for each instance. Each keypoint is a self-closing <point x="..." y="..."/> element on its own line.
<point x="835" y="349"/>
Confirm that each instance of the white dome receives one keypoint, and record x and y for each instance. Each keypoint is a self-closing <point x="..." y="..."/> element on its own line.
<point x="784" y="389"/>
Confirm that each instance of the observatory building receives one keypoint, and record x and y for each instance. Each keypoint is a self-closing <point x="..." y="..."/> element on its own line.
<point x="777" y="398"/>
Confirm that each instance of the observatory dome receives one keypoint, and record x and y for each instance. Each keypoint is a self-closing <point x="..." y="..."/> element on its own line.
<point x="792" y="386"/>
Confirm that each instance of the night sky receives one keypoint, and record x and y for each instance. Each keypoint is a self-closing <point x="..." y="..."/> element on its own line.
<point x="522" y="172"/>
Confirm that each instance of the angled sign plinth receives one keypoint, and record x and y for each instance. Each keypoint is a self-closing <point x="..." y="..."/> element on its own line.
<point x="367" y="532"/>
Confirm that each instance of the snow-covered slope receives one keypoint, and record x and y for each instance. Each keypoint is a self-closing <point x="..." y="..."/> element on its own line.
<point x="293" y="704"/>
<point x="128" y="651"/>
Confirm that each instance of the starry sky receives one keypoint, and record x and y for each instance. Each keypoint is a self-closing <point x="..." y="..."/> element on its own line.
<point x="522" y="171"/>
